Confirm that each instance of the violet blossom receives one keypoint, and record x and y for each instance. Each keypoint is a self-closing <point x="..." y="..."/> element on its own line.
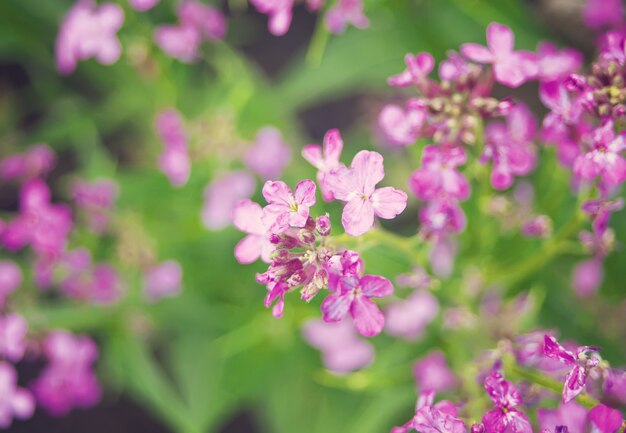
<point x="15" y="402"/>
<point x="506" y="397"/>
<point x="37" y="161"/>
<point x="174" y="161"/>
<point x="440" y="417"/>
<point x="286" y="209"/>
<point x="409" y="318"/>
<point x="325" y="158"/>
<point x="346" y="12"/>
<point x="163" y="280"/>
<point x="221" y="196"/>
<point x="97" y="199"/>
<point x="432" y="372"/>
<point x="269" y="154"/>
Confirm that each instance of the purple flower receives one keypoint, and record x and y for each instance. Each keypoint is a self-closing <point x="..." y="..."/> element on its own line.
<point x="68" y="380"/>
<point x="432" y="372"/>
<point x="174" y="161"/>
<point x="143" y="5"/>
<point x="325" y="158"/>
<point x="10" y="279"/>
<point x="15" y="402"/>
<point x="163" y="280"/>
<point x="279" y="12"/>
<point x="438" y="418"/>
<point x="418" y="67"/>
<point x="603" y="13"/>
<point x="438" y="177"/>
<point x="342" y="351"/>
<point x="221" y="196"/>
<point x="587" y="277"/>
<point x="346" y="12"/>
<point x="505" y="416"/>
<point x="89" y="31"/>
<point x="37" y="161"/>
<point x="409" y="318"/>
<point x="603" y="159"/>
<point x="401" y="127"/>
<point x="353" y="295"/>
<point x="440" y="217"/>
<point x="579" y="365"/>
<point x="556" y="65"/>
<point x="269" y="155"/>
<point x="604" y="419"/>
<point x="572" y="415"/>
<point x="286" y="209"/>
<point x="511" y="68"/>
<point x="600" y="212"/>
<point x="357" y="187"/>
<point x="13" y="329"/>
<point x="248" y="217"/>
<point x="96" y="198"/>
<point x="179" y="42"/>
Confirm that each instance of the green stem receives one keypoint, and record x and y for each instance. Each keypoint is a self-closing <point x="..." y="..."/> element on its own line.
<point x="318" y="44"/>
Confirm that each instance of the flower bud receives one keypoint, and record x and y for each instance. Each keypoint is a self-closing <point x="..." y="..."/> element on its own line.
<point x="323" y="225"/>
<point x="306" y="236"/>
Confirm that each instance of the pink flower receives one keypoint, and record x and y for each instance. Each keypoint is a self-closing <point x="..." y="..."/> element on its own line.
<point x="587" y="277"/>
<point x="505" y="416"/>
<point x="142" y="5"/>
<point x="15" y="402"/>
<point x="10" y="279"/>
<point x="432" y="372"/>
<point x="600" y="212"/>
<point x="579" y="365"/>
<point x="174" y="161"/>
<point x="572" y="415"/>
<point x="442" y="217"/>
<point x="163" y="280"/>
<point x="179" y="42"/>
<point x="418" y="67"/>
<point x="556" y="65"/>
<point x="438" y="418"/>
<point x="13" y="329"/>
<point x="37" y="161"/>
<point x="248" y="217"/>
<point x="221" y="196"/>
<point x="89" y="31"/>
<point x="409" y="318"/>
<point x="68" y="380"/>
<point x="401" y="127"/>
<point x="98" y="284"/>
<point x="269" y="155"/>
<point x="286" y="209"/>
<point x="604" y="419"/>
<point x="346" y="12"/>
<point x="342" y="351"/>
<point x="604" y="158"/>
<point x="353" y="295"/>
<point x="325" y="158"/>
<point x="603" y="13"/>
<point x="511" y="68"/>
<point x="438" y="176"/>
<point x="97" y="199"/>
<point x="279" y="12"/>
<point x="357" y="187"/>
<point x="208" y="21"/>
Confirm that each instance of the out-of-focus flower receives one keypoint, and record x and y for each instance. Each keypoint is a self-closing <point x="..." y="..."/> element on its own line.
<point x="572" y="415"/>
<point x="269" y="155"/>
<point x="174" y="161"/>
<point x="432" y="372"/>
<point x="603" y="13"/>
<point x="89" y="31"/>
<point x="506" y="397"/>
<point x="163" y="280"/>
<point x="511" y="68"/>
<point x="13" y="329"/>
<point x="96" y="199"/>
<point x="179" y="42"/>
<point x="409" y="318"/>
<point x="325" y="158"/>
<point x="248" y="217"/>
<point x="346" y="12"/>
<point x="10" y="279"/>
<point x="357" y="187"/>
<point x="587" y="277"/>
<point x="205" y="19"/>
<point x="143" y="5"/>
<point x="440" y="417"/>
<point x="342" y="351"/>
<point x="554" y="64"/>
<point x="418" y="67"/>
<point x="604" y="158"/>
<point x="68" y="380"/>
<point x="604" y="419"/>
<point x="286" y="209"/>
<point x="15" y="402"/>
<point x="221" y="196"/>
<point x="37" y="161"/>
<point x="279" y="13"/>
<point x="439" y="177"/>
<point x="401" y="127"/>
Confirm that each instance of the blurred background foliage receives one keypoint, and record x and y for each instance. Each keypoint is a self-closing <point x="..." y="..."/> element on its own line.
<point x="214" y="359"/>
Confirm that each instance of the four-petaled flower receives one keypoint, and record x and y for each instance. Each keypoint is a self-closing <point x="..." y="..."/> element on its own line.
<point x="440" y="417"/>
<point x="505" y="416"/>
<point x="248" y="217"/>
<point x="325" y="158"/>
<point x="287" y="209"/>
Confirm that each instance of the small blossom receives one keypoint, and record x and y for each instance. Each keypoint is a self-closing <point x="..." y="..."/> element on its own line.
<point x="325" y="158"/>
<point x="286" y="209"/>
<point x="432" y="372"/>
<point x="603" y="159"/>
<point x="208" y="21"/>
<point x="13" y="329"/>
<point x="418" y="67"/>
<point x="15" y="402"/>
<point x="587" y="277"/>
<point x="174" y="161"/>
<point x="600" y="212"/>
<point x="143" y="5"/>
<point x="572" y="415"/>
<point x="409" y="318"/>
<point x="556" y="65"/>
<point x="438" y="176"/>
<point x="604" y="419"/>
<point x="269" y="155"/>
<point x="401" y="127"/>
<point x="279" y="13"/>
<point x="10" y="279"/>
<point x="89" y="31"/>
<point x="357" y="187"/>
<point x="346" y="12"/>
<point x="505" y="416"/>
<point x="442" y="217"/>
<point x="248" y="217"/>
<point x="221" y="196"/>
<point x="163" y="280"/>
<point x="511" y="68"/>
<point x="37" y="161"/>
<point x="179" y="42"/>
<point x="603" y="13"/>
<point x="438" y="418"/>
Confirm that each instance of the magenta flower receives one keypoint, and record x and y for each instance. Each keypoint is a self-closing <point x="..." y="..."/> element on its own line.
<point x="37" y="161"/>
<point x="342" y="351"/>
<point x="179" y="42"/>
<point x="438" y="176"/>
<point x="408" y="319"/>
<point x="511" y="68"/>
<point x="248" y="217"/>
<point x="357" y="187"/>
<point x="505" y="416"/>
<point x="353" y="295"/>
<point x="163" y="280"/>
<point x="442" y="217"/>
<point x="143" y="5"/>
<point x="432" y="372"/>
<point x="98" y="284"/>
<point x="221" y="196"/>
<point x="600" y="212"/>
<point x="269" y="155"/>
<point x="572" y="415"/>
<point x="97" y="199"/>
<point x="325" y="158"/>
<point x="401" y="127"/>
<point x="174" y="161"/>
<point x="89" y="31"/>
<point x="438" y="418"/>
<point x="418" y="67"/>
<point x="10" y="279"/>
<point x="604" y="158"/>
<point x="556" y="65"/>
<point x="13" y="329"/>
<point x="346" y="12"/>
<point x="603" y="13"/>
<point x="286" y="209"/>
<point x="279" y="13"/>
<point x="579" y="365"/>
<point x="587" y="277"/>
<point x="604" y="419"/>
<point x="15" y="402"/>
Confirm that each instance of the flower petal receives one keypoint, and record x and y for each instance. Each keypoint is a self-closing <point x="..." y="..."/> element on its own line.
<point x="477" y="53"/>
<point x="305" y="193"/>
<point x="368" y="170"/>
<point x="500" y="39"/>
<point x="335" y="307"/>
<point x="248" y="249"/>
<point x="358" y="216"/>
<point x="277" y="192"/>
<point x="374" y="286"/>
<point x="388" y="202"/>
<point x="367" y="317"/>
